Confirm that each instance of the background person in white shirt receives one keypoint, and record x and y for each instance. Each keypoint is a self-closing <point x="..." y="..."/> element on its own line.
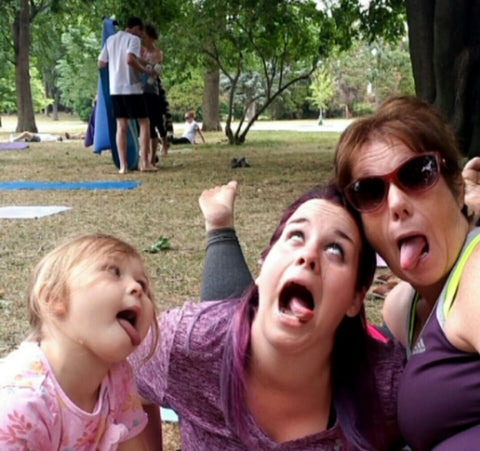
<point x="190" y="130"/>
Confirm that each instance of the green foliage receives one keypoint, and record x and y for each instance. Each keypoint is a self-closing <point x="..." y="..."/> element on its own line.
<point x="384" y="19"/>
<point x="265" y="50"/>
<point x="321" y="87"/>
<point x="162" y="244"/>
<point x="391" y="70"/>
<point x="292" y="103"/>
<point x="40" y="101"/>
<point x="185" y="95"/>
<point x="261" y="48"/>
<point x="83" y="108"/>
<point x="362" y="109"/>
<point x="77" y="69"/>
<point x="161" y="12"/>
<point x="8" y="98"/>
<point x="367" y="74"/>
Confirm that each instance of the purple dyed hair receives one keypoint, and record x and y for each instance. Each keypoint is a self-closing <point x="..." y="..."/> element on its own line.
<point x="354" y="393"/>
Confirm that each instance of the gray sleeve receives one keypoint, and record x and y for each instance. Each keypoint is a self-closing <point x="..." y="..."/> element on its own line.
<point x="225" y="271"/>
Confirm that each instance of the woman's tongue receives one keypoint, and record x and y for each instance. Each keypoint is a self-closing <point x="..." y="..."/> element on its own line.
<point x="410" y="251"/>
<point x="300" y="310"/>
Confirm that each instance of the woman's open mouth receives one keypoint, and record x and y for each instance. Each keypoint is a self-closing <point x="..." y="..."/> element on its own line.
<point x="412" y="248"/>
<point x="296" y="301"/>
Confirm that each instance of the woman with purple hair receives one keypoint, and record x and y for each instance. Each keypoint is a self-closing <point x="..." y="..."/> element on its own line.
<point x="289" y="365"/>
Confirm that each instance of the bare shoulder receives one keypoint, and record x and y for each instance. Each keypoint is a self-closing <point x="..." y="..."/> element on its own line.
<point x="395" y="310"/>
<point x="469" y="285"/>
<point x="462" y="325"/>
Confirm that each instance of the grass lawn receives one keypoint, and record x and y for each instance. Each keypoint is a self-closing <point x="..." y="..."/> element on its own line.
<point x="283" y="165"/>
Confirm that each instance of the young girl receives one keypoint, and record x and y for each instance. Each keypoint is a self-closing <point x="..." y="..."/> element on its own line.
<point x="68" y="386"/>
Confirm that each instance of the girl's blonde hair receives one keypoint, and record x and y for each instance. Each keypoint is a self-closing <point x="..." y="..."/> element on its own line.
<point x="52" y="275"/>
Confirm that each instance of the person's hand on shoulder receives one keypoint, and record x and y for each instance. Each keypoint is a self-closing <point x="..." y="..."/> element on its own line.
<point x="471" y="176"/>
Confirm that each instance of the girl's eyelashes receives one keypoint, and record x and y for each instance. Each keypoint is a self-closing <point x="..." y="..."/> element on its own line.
<point x="143" y="283"/>
<point x="115" y="270"/>
<point x="295" y="234"/>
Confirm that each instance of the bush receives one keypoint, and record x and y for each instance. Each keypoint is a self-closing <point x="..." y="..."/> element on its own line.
<point x="83" y="108"/>
<point x="361" y="109"/>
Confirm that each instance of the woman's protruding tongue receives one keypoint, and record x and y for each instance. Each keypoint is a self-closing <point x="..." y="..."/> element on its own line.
<point x="300" y="309"/>
<point x="410" y="251"/>
<point x="296" y="300"/>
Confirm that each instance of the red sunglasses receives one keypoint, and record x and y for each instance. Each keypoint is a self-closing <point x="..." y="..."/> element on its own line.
<point x="417" y="174"/>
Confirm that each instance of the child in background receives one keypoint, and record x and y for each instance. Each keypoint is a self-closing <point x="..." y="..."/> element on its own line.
<point x="190" y="130"/>
<point x="69" y="386"/>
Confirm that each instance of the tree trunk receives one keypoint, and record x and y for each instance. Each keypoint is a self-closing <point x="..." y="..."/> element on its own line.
<point x="21" y="42"/>
<point x="211" y="101"/>
<point x="251" y="110"/>
<point x="445" y="54"/>
<point x="56" y="102"/>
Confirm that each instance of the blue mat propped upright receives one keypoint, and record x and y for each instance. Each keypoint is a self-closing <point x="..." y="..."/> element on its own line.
<point x="105" y="123"/>
<point x="100" y="184"/>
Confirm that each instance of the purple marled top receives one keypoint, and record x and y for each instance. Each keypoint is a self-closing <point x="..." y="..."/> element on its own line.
<point x="184" y="374"/>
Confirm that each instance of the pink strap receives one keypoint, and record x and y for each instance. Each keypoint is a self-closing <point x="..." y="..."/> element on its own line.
<point x="375" y="333"/>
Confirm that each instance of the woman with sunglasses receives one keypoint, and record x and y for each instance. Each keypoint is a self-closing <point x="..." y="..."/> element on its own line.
<point x="411" y="203"/>
<point x="400" y="169"/>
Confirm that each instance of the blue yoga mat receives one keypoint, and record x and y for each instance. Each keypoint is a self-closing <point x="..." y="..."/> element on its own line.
<point x="102" y="184"/>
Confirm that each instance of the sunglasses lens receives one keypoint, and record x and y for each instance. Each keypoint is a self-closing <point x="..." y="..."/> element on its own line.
<point x="367" y="194"/>
<point x="419" y="173"/>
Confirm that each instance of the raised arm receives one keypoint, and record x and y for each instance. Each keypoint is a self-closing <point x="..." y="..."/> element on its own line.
<point x="225" y="271"/>
<point x="201" y="135"/>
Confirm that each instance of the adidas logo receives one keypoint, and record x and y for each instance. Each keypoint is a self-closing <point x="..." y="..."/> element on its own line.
<point x="419" y="347"/>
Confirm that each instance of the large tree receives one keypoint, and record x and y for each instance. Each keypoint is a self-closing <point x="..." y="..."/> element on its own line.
<point x="19" y="15"/>
<point x="22" y="17"/>
<point x="278" y="39"/>
<point x="211" y="96"/>
<point x="445" y="53"/>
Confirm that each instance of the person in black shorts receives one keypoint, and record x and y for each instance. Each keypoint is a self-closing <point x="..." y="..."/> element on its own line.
<point x="122" y="54"/>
